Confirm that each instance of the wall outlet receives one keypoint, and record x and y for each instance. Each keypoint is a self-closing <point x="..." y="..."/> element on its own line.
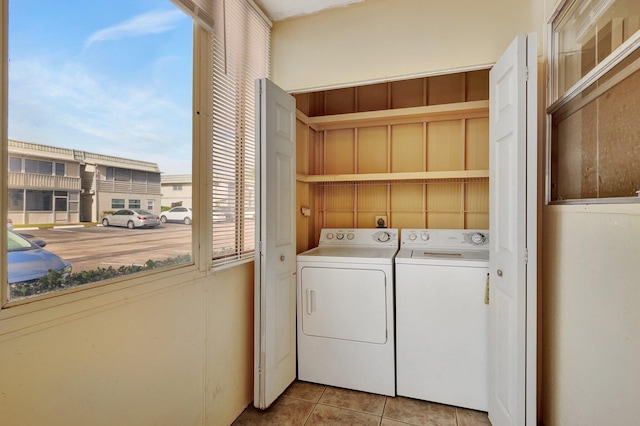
<point x="381" y="221"/>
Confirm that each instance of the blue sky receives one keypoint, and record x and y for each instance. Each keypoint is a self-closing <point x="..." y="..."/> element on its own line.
<point x="106" y="76"/>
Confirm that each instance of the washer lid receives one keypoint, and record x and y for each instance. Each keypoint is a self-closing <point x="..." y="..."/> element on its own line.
<point x="426" y="256"/>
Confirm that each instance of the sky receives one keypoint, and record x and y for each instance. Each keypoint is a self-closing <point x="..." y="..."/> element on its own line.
<point x="107" y="76"/>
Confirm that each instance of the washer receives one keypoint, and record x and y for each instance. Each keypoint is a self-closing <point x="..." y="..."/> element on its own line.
<point x="442" y="321"/>
<point x="345" y="310"/>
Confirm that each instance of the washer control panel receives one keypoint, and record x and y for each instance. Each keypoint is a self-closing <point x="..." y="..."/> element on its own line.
<point x="451" y="239"/>
<point x="374" y="237"/>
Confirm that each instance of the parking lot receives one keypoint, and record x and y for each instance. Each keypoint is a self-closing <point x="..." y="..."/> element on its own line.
<point x="95" y="246"/>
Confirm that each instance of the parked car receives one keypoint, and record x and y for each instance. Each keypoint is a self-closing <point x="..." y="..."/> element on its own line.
<point x="131" y="218"/>
<point x="10" y="224"/>
<point x="28" y="261"/>
<point x="177" y="214"/>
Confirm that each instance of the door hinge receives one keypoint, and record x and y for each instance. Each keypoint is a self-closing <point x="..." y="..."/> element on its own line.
<point x="526" y="73"/>
<point x="526" y="256"/>
<point x="260" y="247"/>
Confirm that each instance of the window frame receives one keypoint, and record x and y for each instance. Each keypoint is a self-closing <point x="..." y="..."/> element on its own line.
<point x="555" y="100"/>
<point x="140" y="283"/>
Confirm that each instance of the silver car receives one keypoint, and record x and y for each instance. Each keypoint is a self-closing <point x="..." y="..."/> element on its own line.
<point x="131" y="218"/>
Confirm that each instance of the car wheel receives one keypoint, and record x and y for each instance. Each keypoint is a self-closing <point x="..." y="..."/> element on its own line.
<point x="105" y="222"/>
<point x="131" y="225"/>
<point x="163" y="219"/>
<point x="187" y="221"/>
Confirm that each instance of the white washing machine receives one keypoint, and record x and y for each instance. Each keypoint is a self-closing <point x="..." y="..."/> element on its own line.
<point x="442" y="321"/>
<point x="345" y="310"/>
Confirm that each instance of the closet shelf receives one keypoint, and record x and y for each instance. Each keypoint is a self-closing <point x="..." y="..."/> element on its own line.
<point x="453" y="111"/>
<point x="402" y="176"/>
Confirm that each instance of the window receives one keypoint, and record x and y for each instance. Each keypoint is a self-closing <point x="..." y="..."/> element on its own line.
<point x="39" y="201"/>
<point x="117" y="203"/>
<point x="38" y="167"/>
<point x="60" y="168"/>
<point x="177" y="187"/>
<point x="595" y="113"/>
<point x="134" y="204"/>
<point x="241" y="49"/>
<point x="150" y="205"/>
<point x="15" y="164"/>
<point x="16" y="200"/>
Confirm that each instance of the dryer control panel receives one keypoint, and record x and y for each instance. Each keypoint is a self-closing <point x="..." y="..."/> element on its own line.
<point x="374" y="237"/>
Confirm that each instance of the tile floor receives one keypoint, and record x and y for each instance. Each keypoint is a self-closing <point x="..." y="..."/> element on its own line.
<point x="311" y="404"/>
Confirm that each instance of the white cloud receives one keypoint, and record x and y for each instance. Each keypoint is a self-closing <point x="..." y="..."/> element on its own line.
<point x="146" y="23"/>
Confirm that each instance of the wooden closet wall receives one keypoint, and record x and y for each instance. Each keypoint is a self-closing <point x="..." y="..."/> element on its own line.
<point x="416" y="151"/>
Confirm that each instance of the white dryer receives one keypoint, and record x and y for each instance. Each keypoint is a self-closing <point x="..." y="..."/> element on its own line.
<point x="345" y="310"/>
<point x="442" y="321"/>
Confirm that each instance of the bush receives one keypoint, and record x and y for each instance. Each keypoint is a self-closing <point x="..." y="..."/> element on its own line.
<point x="56" y="281"/>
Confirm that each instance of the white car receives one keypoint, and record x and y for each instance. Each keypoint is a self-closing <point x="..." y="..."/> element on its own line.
<point x="177" y="214"/>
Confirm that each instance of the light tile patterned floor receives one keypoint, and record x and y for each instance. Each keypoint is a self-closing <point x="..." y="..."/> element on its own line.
<point x="309" y="404"/>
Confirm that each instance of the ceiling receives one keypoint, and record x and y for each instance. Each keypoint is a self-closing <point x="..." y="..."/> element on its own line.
<point x="278" y="10"/>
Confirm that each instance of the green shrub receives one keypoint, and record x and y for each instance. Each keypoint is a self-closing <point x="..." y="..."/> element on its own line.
<point x="56" y="281"/>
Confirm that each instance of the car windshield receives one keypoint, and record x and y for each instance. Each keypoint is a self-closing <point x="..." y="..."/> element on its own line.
<point x="16" y="242"/>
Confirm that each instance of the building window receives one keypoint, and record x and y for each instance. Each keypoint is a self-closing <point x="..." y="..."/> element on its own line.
<point x="38" y="167"/>
<point x="16" y="200"/>
<point x="134" y="204"/>
<point x="595" y="109"/>
<point x="39" y="201"/>
<point x="15" y="164"/>
<point x="60" y="169"/>
<point x="177" y="187"/>
<point x="150" y="205"/>
<point x="241" y="49"/>
<point x="117" y="203"/>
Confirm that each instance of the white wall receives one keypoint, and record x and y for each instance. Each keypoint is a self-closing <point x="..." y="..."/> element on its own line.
<point x="382" y="39"/>
<point x="590" y="315"/>
<point x="175" y="351"/>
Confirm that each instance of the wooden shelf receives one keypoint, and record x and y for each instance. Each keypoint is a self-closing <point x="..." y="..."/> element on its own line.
<point x="407" y="176"/>
<point x="453" y="111"/>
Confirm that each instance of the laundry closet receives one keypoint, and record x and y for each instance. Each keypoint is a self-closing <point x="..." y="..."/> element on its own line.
<point x="413" y="152"/>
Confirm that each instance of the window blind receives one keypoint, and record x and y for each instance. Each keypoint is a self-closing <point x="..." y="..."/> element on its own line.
<point x="241" y="43"/>
<point x="200" y="10"/>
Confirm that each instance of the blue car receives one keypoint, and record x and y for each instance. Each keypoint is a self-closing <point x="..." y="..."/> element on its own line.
<point x="28" y="261"/>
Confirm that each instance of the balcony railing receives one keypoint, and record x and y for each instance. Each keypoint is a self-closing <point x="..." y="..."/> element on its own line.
<point x="32" y="180"/>
<point x="128" y="187"/>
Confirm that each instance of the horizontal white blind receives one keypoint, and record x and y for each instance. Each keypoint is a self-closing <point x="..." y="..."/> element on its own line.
<point x="241" y="42"/>
<point x="200" y="10"/>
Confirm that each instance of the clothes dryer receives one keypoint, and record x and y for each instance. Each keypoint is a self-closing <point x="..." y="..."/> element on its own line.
<point x="345" y="310"/>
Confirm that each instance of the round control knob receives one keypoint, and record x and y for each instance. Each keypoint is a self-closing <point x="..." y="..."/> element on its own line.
<point x="424" y="236"/>
<point x="339" y="235"/>
<point x="329" y="236"/>
<point x="384" y="237"/>
<point x="477" y="238"/>
<point x="350" y="236"/>
<point x="412" y="236"/>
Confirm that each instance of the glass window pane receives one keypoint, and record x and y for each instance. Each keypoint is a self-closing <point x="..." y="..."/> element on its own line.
<point x="15" y="164"/>
<point x="16" y="200"/>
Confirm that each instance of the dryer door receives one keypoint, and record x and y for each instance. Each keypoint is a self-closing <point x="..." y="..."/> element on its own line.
<point x="347" y="304"/>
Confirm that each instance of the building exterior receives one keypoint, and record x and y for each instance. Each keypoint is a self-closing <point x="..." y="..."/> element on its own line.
<point x="48" y="184"/>
<point x="176" y="190"/>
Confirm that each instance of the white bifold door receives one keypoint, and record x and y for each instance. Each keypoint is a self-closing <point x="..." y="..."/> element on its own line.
<point x="275" y="262"/>
<point x="513" y="206"/>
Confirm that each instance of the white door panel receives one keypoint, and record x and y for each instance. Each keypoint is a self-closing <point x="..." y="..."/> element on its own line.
<point x="275" y="262"/>
<point x="513" y="165"/>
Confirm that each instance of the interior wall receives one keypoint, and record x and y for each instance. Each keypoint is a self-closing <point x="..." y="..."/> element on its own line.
<point x="177" y="351"/>
<point x="383" y="39"/>
<point x="590" y="316"/>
